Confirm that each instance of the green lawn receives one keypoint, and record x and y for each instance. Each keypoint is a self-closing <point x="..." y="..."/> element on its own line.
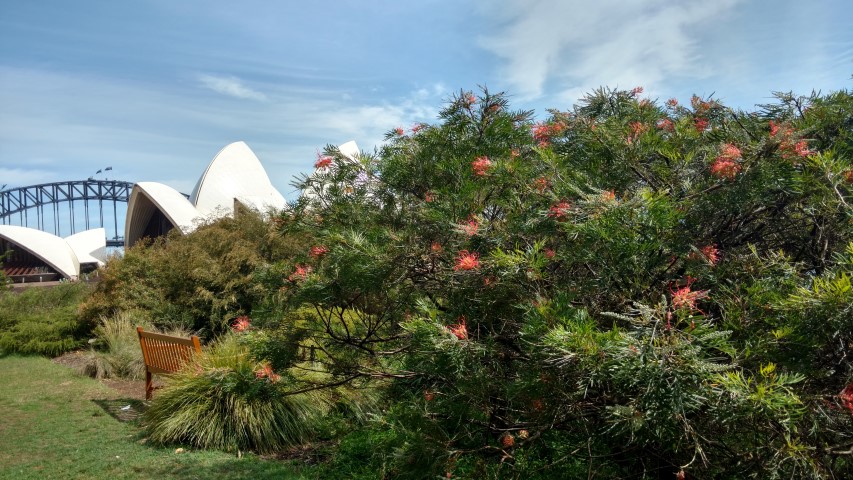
<point x="57" y="424"/>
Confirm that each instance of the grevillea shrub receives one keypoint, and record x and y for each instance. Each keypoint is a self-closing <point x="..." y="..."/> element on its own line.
<point x="626" y="288"/>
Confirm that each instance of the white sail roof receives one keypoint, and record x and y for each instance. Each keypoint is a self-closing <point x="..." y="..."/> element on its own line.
<point x="49" y="248"/>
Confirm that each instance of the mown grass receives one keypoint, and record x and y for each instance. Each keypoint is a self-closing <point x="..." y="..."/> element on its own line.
<point x="52" y="425"/>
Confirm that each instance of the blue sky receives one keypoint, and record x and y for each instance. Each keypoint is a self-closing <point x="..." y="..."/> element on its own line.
<point x="156" y="88"/>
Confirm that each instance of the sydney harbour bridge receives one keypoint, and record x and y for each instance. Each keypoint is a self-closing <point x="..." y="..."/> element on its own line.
<point x="69" y="207"/>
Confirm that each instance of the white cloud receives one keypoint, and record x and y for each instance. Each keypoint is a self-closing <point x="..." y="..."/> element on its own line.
<point x="230" y="86"/>
<point x="582" y="44"/>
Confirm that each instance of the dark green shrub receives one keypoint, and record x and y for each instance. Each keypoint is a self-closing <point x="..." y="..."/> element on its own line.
<point x="43" y="320"/>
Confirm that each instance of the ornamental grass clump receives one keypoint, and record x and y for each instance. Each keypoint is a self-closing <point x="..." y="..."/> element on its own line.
<point x="226" y="400"/>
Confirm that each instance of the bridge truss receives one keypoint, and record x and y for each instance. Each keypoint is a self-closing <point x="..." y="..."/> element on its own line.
<point x="58" y="206"/>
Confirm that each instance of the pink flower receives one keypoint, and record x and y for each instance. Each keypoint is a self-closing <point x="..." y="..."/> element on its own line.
<point x="700" y="124"/>
<point x="774" y="128"/>
<point x="543" y="132"/>
<point x="418" y="127"/>
<point x="710" y="253"/>
<point x="636" y="91"/>
<point x="550" y="253"/>
<point x="241" y="323"/>
<point x="429" y="197"/>
<point x="802" y="149"/>
<point x="266" y="371"/>
<point x="459" y="329"/>
<point x="846" y="397"/>
<point x="467" y="261"/>
<point x="399" y="131"/>
<point x="542" y="184"/>
<point x="666" y="125"/>
<point x="560" y="211"/>
<point x="672" y="103"/>
<point x="481" y="166"/>
<point x="730" y="152"/>
<point x="471" y="100"/>
<point x="685" y="298"/>
<point x="318" y="251"/>
<point x="471" y="226"/>
<point x="436" y="247"/>
<point x="725" y="169"/>
<point x="637" y="128"/>
<point x="323" y="161"/>
<point x="300" y="272"/>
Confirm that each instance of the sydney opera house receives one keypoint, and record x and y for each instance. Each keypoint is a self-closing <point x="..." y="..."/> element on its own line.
<point x="235" y="177"/>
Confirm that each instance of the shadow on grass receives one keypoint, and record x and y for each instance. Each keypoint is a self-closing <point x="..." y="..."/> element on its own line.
<point x="122" y="409"/>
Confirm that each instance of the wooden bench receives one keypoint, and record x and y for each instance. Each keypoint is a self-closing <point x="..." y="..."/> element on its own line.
<point x="164" y="354"/>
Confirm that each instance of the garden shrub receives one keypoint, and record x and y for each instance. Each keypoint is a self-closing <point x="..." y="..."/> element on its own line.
<point x="43" y="320"/>
<point x="197" y="282"/>
<point x="638" y="288"/>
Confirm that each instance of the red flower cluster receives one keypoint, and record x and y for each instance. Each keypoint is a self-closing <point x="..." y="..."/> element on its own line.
<point x="700" y="124"/>
<point x="726" y="166"/>
<point x="323" y="161"/>
<point x="635" y="91"/>
<point x="544" y="132"/>
<point x="666" y="125"/>
<point x="399" y="131"/>
<point x="560" y="211"/>
<point x="301" y="272"/>
<point x="241" y="323"/>
<point x="730" y="152"/>
<point x="774" y="128"/>
<point x="266" y="371"/>
<point x="467" y="261"/>
<point x="418" y="127"/>
<point x="471" y="226"/>
<point x="637" y="128"/>
<point x="481" y="166"/>
<point x="685" y="298"/>
<point x="725" y="169"/>
<point x="459" y="329"/>
<point x="672" y="103"/>
<point x="318" y="251"/>
<point x="846" y="397"/>
<point x="700" y="106"/>
<point x="429" y="197"/>
<point x="542" y="184"/>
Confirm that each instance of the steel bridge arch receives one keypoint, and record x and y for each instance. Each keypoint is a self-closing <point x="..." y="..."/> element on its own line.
<point x="33" y="199"/>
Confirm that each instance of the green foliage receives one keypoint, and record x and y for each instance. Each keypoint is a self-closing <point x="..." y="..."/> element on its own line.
<point x="43" y="321"/>
<point x="623" y="288"/>
<point x="219" y="401"/>
<point x="197" y="282"/>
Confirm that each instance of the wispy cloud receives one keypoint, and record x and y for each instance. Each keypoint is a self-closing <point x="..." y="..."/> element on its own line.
<point x="230" y="86"/>
<point x="576" y="45"/>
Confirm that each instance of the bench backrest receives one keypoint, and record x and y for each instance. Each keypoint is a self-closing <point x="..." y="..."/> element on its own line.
<point x="165" y="353"/>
